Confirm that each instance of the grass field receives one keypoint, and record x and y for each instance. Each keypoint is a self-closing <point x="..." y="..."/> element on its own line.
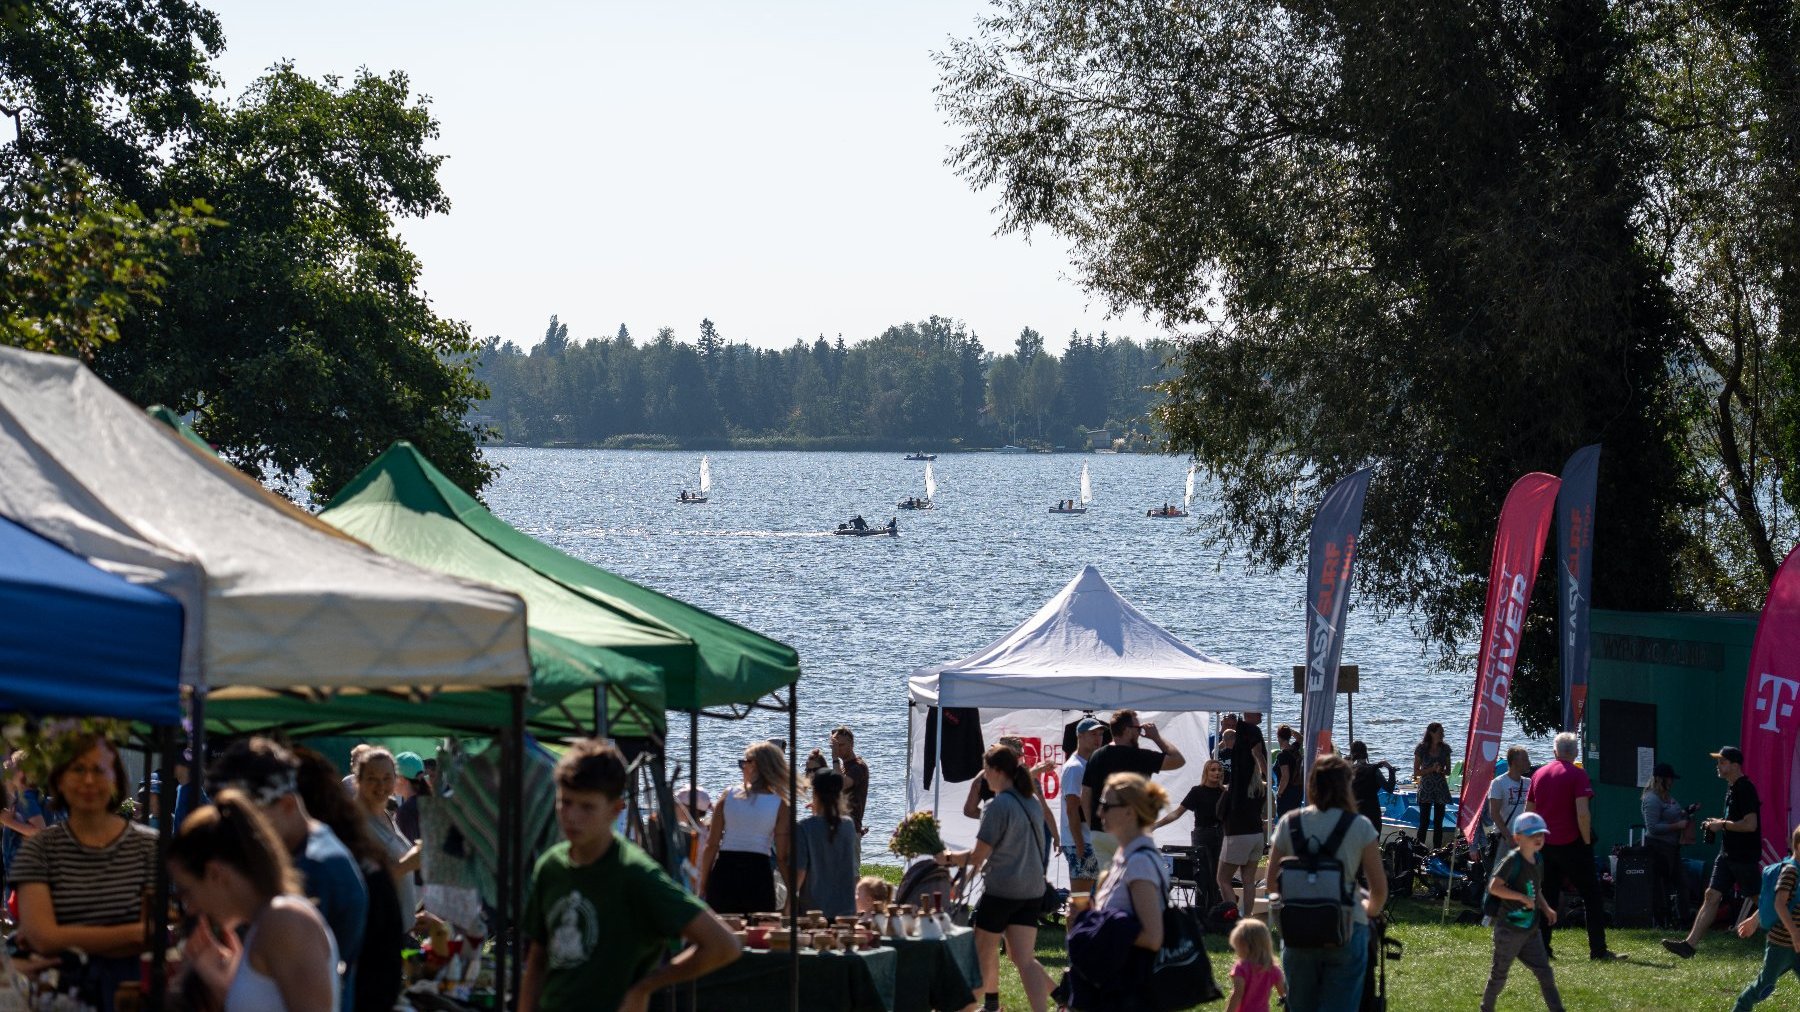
<point x="1446" y="967"/>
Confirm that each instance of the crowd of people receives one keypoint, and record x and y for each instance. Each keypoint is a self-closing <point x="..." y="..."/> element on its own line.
<point x="300" y="889"/>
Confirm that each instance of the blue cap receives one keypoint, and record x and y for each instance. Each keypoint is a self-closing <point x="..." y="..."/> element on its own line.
<point x="1529" y="824"/>
<point x="409" y="765"/>
<point x="1088" y="724"/>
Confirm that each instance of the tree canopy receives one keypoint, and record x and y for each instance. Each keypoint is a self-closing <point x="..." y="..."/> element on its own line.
<point x="1455" y="241"/>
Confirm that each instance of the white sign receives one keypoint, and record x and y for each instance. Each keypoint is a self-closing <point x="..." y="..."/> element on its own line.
<point x="1646" y="765"/>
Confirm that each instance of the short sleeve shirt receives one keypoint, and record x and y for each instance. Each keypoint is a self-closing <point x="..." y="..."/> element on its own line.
<point x="1139" y="861"/>
<point x="90" y="885"/>
<point x="856" y="787"/>
<point x="1203" y="801"/>
<point x="1317" y="826"/>
<point x="1511" y="795"/>
<point x="1521" y="876"/>
<point x="1789" y="881"/>
<point x="1116" y="758"/>
<point x="1741" y="800"/>
<point x="602" y="925"/>
<point x="1011" y="826"/>
<point x="1554" y="788"/>
<point x="1243" y="813"/>
<point x="1072" y="772"/>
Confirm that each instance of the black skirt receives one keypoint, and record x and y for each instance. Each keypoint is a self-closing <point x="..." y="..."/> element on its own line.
<point x="741" y="883"/>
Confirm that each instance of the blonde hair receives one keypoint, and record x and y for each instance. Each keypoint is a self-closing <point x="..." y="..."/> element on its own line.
<point x="1145" y="798"/>
<point x="880" y="890"/>
<point x="1252" y="942"/>
<point x="768" y="769"/>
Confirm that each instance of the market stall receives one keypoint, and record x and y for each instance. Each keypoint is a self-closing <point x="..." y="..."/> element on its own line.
<point x="1087" y="650"/>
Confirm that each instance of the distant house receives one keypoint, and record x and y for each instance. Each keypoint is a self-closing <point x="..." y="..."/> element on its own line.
<point x="1100" y="439"/>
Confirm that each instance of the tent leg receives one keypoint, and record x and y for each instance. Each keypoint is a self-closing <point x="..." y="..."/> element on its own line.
<point x="517" y="787"/>
<point x="503" y="925"/>
<point x="693" y="988"/>
<point x="793" y="868"/>
<point x="165" y="744"/>
<point x="937" y="782"/>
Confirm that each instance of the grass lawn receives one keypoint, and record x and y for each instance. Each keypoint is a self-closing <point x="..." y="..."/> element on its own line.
<point x="1446" y="967"/>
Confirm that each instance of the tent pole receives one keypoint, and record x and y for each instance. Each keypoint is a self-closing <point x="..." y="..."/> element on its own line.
<point x="937" y="783"/>
<point x="516" y="914"/>
<point x="793" y="868"/>
<point x="693" y="987"/>
<point x="164" y="744"/>
<point x="503" y="887"/>
<point x="600" y="717"/>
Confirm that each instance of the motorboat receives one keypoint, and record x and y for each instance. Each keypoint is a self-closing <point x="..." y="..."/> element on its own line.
<point x="691" y="498"/>
<point x="849" y="529"/>
<point x="921" y="456"/>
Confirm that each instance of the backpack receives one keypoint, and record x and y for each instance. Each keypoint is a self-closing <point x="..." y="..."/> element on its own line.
<point x="1316" y="891"/>
<point x="1766" y="915"/>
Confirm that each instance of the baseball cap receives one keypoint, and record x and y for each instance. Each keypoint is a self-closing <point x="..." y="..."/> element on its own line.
<point x="1730" y="753"/>
<point x="1088" y="724"/>
<point x="1666" y="771"/>
<point x="409" y="765"/>
<point x="1529" y="824"/>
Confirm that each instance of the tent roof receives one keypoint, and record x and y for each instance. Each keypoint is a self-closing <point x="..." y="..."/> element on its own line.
<point x="706" y="661"/>
<point x="397" y="505"/>
<point x="274" y="598"/>
<point x="1088" y="648"/>
<point x="52" y="603"/>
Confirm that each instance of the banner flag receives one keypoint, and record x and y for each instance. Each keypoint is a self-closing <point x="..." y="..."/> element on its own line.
<point x="1771" y="726"/>
<point x="1335" y="529"/>
<point x="1575" y="576"/>
<point x="1518" y="548"/>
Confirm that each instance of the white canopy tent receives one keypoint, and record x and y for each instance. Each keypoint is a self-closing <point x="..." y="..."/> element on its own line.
<point x="1086" y="650"/>
<point x="274" y="598"/>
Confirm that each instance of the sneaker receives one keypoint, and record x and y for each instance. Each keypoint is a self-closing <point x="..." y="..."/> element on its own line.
<point x="1609" y="955"/>
<point x="1679" y="947"/>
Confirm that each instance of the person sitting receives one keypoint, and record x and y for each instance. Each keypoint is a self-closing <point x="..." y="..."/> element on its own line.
<point x="859" y="523"/>
<point x="81" y="882"/>
<point x="893" y="524"/>
<point x="232" y="870"/>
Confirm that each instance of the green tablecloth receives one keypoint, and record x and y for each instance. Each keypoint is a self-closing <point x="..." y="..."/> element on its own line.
<point x="758" y="982"/>
<point x="937" y="975"/>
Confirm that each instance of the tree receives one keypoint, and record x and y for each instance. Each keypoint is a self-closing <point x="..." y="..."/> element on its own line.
<point x="556" y="339"/>
<point x="1401" y="237"/>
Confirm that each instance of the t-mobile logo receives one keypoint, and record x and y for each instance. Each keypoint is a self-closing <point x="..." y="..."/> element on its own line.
<point x="1773" y="703"/>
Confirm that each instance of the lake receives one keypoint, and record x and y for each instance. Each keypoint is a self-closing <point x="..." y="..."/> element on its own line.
<point x="865" y="612"/>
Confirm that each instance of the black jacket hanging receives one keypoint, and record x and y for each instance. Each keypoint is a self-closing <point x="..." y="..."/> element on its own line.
<point x="962" y="743"/>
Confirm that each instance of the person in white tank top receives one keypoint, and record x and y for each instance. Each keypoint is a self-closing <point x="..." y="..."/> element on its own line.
<point x="232" y="871"/>
<point x="749" y="821"/>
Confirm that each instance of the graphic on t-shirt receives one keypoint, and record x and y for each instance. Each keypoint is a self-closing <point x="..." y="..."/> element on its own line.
<point x="1526" y="916"/>
<point x="577" y="929"/>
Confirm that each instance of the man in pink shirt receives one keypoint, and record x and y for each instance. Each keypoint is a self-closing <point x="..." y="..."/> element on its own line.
<point x="1560" y="792"/>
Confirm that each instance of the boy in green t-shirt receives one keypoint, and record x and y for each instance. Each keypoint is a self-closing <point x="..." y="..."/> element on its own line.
<point x="1517" y="887"/>
<point x="1781" y="953"/>
<point x="601" y="913"/>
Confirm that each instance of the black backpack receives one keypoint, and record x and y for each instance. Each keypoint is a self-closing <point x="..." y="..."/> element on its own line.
<point x="1316" y="892"/>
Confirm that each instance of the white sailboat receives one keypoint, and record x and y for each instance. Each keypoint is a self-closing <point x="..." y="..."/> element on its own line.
<point x="705" y="485"/>
<point x="1077" y="506"/>
<point x="1187" y="498"/>
<point x="930" y="493"/>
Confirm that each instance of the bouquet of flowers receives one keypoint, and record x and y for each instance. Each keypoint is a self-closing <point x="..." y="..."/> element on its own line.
<point x="915" y="835"/>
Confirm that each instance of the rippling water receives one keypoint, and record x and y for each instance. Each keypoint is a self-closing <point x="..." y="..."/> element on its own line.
<point x="864" y="612"/>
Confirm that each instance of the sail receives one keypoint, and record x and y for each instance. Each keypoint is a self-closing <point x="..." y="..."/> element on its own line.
<point x="930" y="483"/>
<point x="705" y="476"/>
<point x="1087" y="489"/>
<point x="1187" y="500"/>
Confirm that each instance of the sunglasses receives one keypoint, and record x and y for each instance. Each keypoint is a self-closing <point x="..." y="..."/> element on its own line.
<point x="746" y="762"/>
<point x="1105" y="804"/>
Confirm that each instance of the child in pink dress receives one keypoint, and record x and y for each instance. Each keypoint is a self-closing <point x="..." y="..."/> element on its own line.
<point x="1254" y="976"/>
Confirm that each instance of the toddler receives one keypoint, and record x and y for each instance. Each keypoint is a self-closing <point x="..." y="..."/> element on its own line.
<point x="870" y="891"/>
<point x="1254" y="976"/>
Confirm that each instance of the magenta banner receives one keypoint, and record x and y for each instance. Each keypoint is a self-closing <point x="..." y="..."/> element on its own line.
<point x="1771" y="728"/>
<point x="1518" y="548"/>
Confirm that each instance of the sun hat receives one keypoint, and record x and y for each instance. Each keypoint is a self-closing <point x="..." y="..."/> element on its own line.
<point x="1666" y="771"/>
<point x="1529" y="824"/>
<point x="698" y="801"/>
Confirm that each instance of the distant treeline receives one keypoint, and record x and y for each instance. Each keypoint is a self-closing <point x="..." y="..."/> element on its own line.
<point x="929" y="384"/>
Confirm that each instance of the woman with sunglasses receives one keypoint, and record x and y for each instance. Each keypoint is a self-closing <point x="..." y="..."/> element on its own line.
<point x="1136" y="883"/>
<point x="1011" y="851"/>
<point x="749" y="821"/>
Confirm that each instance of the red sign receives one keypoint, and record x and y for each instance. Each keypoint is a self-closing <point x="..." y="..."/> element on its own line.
<point x="1518" y="547"/>
<point x="1771" y="723"/>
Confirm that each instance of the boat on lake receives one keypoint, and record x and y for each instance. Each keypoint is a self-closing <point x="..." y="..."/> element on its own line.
<point x="689" y="498"/>
<point x="913" y="503"/>
<point x="855" y="527"/>
<point x="1187" y="499"/>
<point x="921" y="456"/>
<point x="1077" y="506"/>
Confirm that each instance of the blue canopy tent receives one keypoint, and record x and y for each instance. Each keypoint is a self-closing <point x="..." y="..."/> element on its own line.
<point x="77" y="640"/>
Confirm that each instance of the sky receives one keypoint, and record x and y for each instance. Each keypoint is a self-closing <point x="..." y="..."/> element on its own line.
<point x="776" y="166"/>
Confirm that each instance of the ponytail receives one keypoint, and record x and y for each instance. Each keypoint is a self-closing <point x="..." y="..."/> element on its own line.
<point x="828" y="791"/>
<point x="1004" y="759"/>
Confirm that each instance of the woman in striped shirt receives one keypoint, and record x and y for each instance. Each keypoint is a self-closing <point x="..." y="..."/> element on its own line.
<point x="82" y="882"/>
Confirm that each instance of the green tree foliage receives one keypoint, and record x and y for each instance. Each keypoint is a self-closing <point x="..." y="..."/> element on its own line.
<point x="928" y="384"/>
<point x="74" y="262"/>
<point x="1414" y="237"/>
<point x="296" y="329"/>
